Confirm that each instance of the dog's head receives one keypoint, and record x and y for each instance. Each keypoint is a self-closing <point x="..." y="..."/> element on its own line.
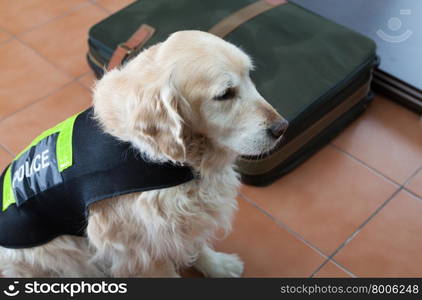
<point x="193" y="83"/>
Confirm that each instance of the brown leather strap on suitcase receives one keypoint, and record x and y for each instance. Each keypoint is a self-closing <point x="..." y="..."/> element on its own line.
<point x="138" y="39"/>
<point x="221" y="29"/>
<point x="231" y="22"/>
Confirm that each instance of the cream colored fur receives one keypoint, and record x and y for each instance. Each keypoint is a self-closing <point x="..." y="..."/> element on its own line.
<point x="165" y="102"/>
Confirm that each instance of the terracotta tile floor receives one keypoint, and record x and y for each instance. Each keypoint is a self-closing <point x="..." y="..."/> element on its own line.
<point x="353" y="209"/>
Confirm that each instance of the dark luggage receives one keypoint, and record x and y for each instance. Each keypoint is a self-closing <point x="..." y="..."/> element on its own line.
<point x="390" y="23"/>
<point x="316" y="73"/>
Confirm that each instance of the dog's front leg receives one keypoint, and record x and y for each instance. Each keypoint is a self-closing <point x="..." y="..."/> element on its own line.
<point x="119" y="250"/>
<point x="217" y="264"/>
<point x="131" y="260"/>
<point x="163" y="268"/>
<point x="134" y="263"/>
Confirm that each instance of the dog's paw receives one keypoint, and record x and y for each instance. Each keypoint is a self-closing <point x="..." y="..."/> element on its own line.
<point x="222" y="265"/>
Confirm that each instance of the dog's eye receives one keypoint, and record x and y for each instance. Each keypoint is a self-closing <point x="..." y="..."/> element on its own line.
<point x="229" y="93"/>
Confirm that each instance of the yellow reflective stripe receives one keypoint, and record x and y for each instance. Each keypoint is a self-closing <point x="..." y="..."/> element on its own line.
<point x="64" y="155"/>
<point x="47" y="133"/>
<point x="8" y="195"/>
<point x="64" y="149"/>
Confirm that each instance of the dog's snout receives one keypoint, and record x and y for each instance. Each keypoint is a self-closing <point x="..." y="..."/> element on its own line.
<point x="278" y="128"/>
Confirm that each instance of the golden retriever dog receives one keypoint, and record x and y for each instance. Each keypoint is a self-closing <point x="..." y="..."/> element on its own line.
<point x="188" y="100"/>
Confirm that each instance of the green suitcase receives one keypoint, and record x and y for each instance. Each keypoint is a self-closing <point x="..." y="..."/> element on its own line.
<point x="316" y="73"/>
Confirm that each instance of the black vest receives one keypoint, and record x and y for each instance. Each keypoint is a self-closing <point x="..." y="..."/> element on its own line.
<point x="49" y="202"/>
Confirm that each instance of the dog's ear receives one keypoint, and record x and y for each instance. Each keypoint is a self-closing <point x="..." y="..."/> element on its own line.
<point x="139" y="103"/>
<point x="159" y="120"/>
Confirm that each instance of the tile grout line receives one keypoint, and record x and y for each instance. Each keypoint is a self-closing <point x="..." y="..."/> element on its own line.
<point x="36" y="52"/>
<point x="40" y="100"/>
<point x="408" y="181"/>
<point x="330" y="258"/>
<point x="65" y="14"/>
<point x="71" y="77"/>
<point x="18" y="38"/>
<point x="43" y="57"/>
<point x="341" y="267"/>
<point x="281" y="225"/>
<point x="80" y="83"/>
<point x="298" y="236"/>
<point x="93" y="2"/>
<point x="37" y="100"/>
<point x="412" y="176"/>
<point x="6" y="149"/>
<point x="6" y="41"/>
<point x="381" y="174"/>
<point x="360" y="227"/>
<point x="413" y="193"/>
<point x="324" y="263"/>
<point x="89" y="91"/>
<point x="278" y="222"/>
<point x="82" y="75"/>
<point x="376" y="171"/>
<point x="361" y="162"/>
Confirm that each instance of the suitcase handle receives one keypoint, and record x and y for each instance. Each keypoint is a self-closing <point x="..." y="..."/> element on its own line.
<point x="221" y="29"/>
<point x="234" y="20"/>
<point x="137" y="40"/>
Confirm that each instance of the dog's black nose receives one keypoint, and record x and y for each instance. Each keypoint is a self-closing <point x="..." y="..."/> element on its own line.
<point x="278" y="128"/>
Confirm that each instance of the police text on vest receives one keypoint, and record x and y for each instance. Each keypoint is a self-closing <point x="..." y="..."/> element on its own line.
<point x="28" y="169"/>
